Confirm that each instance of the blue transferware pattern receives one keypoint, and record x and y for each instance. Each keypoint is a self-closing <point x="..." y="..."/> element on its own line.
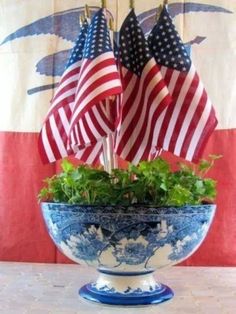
<point x="108" y="295"/>
<point x="132" y="240"/>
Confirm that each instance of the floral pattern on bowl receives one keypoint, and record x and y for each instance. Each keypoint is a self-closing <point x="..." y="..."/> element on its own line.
<point x="127" y="241"/>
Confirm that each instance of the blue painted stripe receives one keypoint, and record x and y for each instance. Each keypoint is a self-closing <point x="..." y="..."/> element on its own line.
<point x="126" y="299"/>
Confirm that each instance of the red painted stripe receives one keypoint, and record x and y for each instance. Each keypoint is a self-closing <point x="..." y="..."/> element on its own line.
<point x="33" y="244"/>
<point x="23" y="232"/>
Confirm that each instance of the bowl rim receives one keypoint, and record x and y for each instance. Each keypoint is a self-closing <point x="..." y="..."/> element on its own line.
<point x="128" y="206"/>
<point x="130" y="209"/>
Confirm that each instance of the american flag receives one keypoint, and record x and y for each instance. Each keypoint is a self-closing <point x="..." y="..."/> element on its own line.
<point x="79" y="116"/>
<point x="145" y="94"/>
<point x="98" y="84"/>
<point x="185" y="126"/>
<point x="53" y="137"/>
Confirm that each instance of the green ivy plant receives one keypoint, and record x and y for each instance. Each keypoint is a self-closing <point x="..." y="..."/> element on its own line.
<point x="149" y="183"/>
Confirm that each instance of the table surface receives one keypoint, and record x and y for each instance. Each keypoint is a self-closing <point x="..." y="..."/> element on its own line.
<point x="53" y="288"/>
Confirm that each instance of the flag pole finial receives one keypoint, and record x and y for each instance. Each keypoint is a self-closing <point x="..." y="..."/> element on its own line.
<point x="159" y="9"/>
<point x="86" y="11"/>
<point x="81" y="19"/>
<point x="131" y="4"/>
<point x="104" y="4"/>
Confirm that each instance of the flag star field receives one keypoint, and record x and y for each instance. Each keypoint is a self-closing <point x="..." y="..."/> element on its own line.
<point x="77" y="51"/>
<point x="167" y="46"/>
<point x="134" y="52"/>
<point x="98" y="40"/>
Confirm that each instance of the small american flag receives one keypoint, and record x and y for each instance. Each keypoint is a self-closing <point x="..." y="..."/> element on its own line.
<point x="98" y="84"/>
<point x="145" y="94"/>
<point x="53" y="137"/>
<point x="185" y="126"/>
<point x="79" y="116"/>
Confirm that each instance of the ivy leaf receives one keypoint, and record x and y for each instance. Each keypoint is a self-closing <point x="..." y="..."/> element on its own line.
<point x="210" y="189"/>
<point x="204" y="165"/>
<point x="161" y="166"/>
<point x="150" y="182"/>
<point x="67" y="166"/>
<point x="199" y="187"/>
<point x="163" y="186"/>
<point x="179" y="196"/>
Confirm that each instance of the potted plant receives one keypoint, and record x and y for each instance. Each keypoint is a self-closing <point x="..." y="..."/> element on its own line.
<point x="129" y="223"/>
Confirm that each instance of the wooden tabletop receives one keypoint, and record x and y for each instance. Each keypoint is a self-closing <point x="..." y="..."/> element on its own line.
<point x="53" y="288"/>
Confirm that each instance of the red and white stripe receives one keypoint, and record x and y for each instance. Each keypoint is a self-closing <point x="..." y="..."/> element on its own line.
<point x="144" y="99"/>
<point x="91" y="154"/>
<point x="53" y="138"/>
<point x="185" y="126"/>
<point x="98" y="82"/>
<point x="54" y="133"/>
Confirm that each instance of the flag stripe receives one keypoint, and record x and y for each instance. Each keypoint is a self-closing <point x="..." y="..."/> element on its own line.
<point x="95" y="98"/>
<point x="199" y="130"/>
<point x="91" y="153"/>
<point x="57" y="138"/>
<point x="143" y="114"/>
<point x="185" y="112"/>
<point x="145" y="95"/>
<point x="180" y="91"/>
<point x="100" y="76"/>
<point x="195" y="107"/>
<point x="105" y="82"/>
<point x="131" y="107"/>
<point x="145" y="147"/>
<point x="78" y="116"/>
<point x="183" y="125"/>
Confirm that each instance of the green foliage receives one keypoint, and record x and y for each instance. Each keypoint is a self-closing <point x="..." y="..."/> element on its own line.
<point x="151" y="183"/>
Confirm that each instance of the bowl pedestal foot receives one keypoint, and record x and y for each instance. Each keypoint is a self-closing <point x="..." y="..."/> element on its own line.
<point x="126" y="289"/>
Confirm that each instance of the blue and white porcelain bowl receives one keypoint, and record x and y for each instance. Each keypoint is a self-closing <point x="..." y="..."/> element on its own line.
<point x="126" y="245"/>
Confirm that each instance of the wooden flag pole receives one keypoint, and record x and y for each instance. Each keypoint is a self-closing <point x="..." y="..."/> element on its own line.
<point x="104" y="4"/>
<point x="110" y="140"/>
<point x="86" y="11"/>
<point x="159" y="9"/>
<point x="108" y="151"/>
<point x="131" y="4"/>
<point x="81" y="20"/>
